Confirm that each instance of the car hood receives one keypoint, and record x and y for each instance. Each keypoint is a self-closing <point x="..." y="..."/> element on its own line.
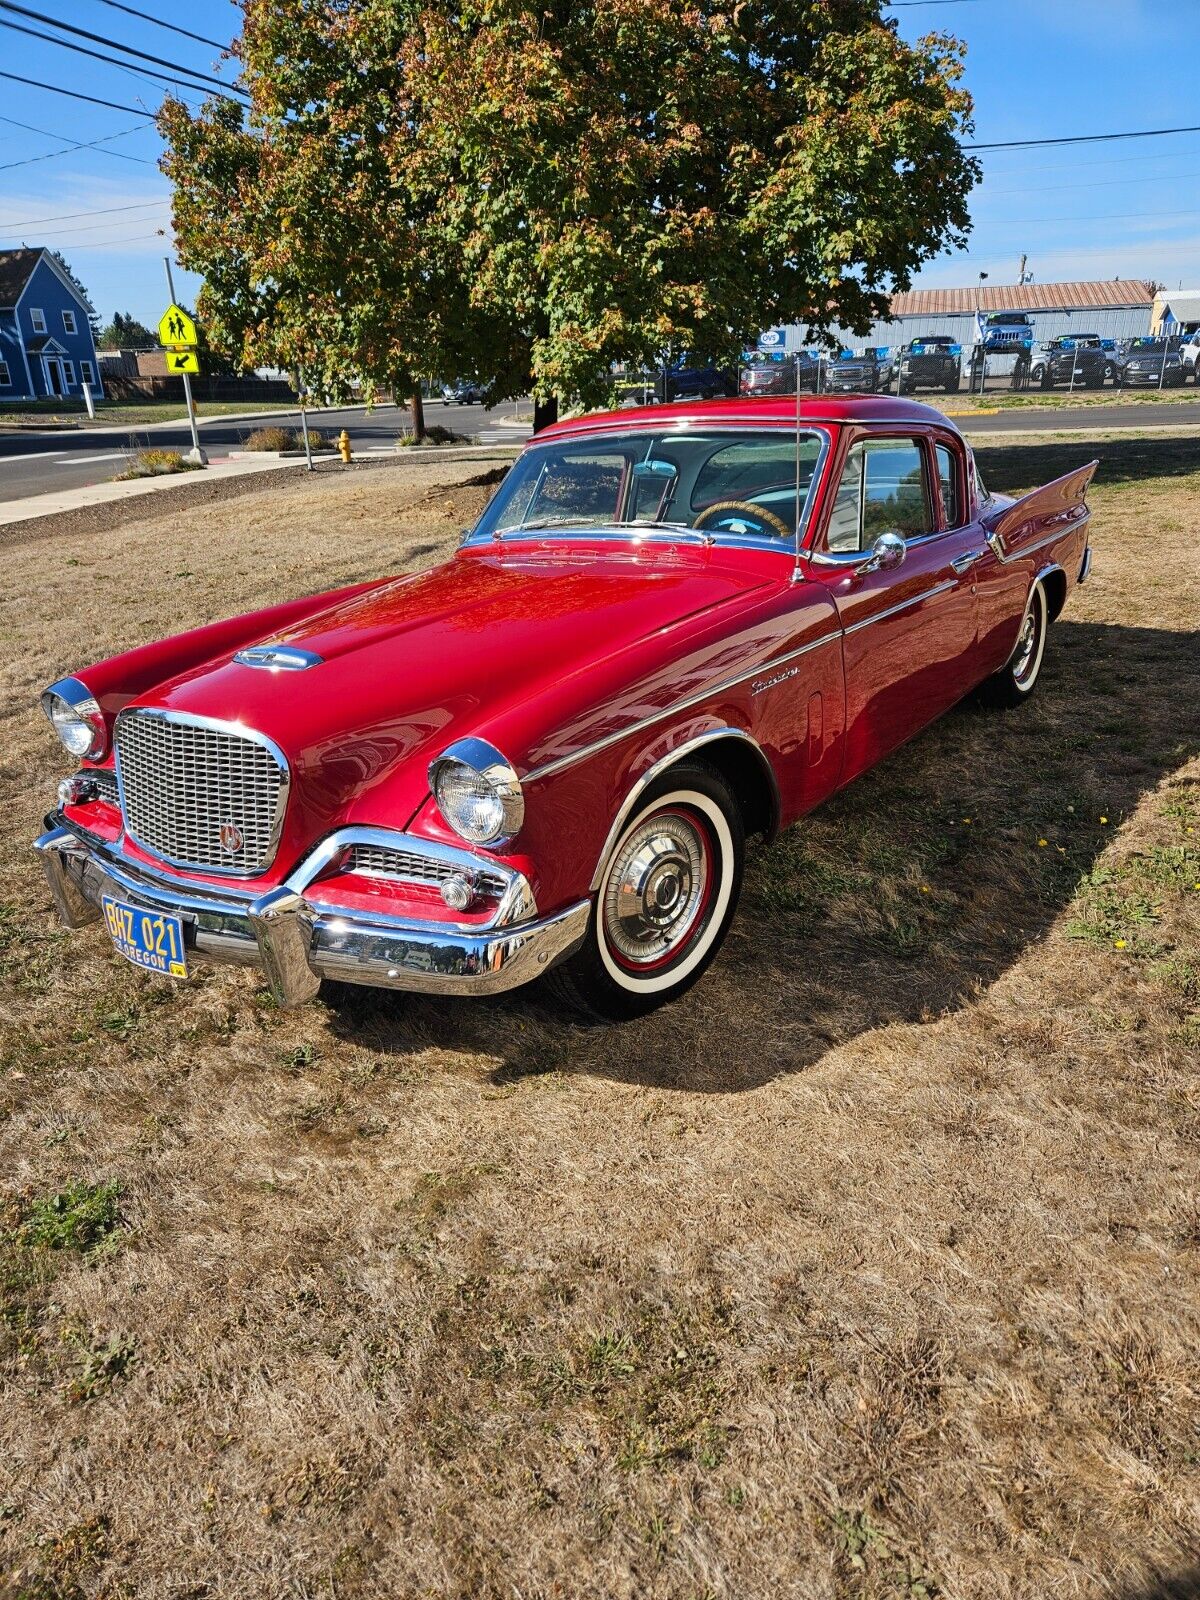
<point x="506" y="645"/>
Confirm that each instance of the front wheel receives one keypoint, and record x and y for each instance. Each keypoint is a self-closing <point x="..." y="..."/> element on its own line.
<point x="668" y="891"/>
<point x="1017" y="679"/>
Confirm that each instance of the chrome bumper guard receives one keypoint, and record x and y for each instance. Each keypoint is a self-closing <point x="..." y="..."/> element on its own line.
<point x="297" y="942"/>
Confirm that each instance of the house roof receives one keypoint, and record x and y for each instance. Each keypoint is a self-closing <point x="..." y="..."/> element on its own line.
<point x="16" y="267"/>
<point x="1107" y="294"/>
<point x="45" y="344"/>
<point x="1184" y="304"/>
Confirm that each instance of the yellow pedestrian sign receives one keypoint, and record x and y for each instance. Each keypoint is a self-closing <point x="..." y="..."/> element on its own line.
<point x="177" y="331"/>
<point x="183" y="361"/>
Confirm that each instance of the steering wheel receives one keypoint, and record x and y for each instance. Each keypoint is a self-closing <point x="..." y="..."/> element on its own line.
<point x="760" y="514"/>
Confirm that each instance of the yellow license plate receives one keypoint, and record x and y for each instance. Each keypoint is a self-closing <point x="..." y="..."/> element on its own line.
<point x="149" y="939"/>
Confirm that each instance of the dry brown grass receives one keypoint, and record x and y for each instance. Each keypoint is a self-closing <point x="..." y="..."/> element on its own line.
<point x="867" y="1270"/>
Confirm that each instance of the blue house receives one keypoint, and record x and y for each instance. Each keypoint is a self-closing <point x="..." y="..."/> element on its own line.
<point x="46" y="346"/>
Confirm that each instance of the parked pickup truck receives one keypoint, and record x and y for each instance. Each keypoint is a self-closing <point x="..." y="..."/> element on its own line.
<point x="932" y="363"/>
<point x="1081" y="361"/>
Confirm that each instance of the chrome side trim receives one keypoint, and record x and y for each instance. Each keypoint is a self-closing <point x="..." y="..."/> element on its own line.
<point x="1002" y="552"/>
<point x="594" y="748"/>
<point x="662" y="765"/>
<point x="1086" y="567"/>
<point x="237" y="730"/>
<point x="904" y="605"/>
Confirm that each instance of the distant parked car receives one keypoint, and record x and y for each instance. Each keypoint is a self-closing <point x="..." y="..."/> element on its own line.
<point x="462" y="394"/>
<point x="1150" y="363"/>
<point x="932" y="363"/>
<point x="691" y="378"/>
<point x="860" y="372"/>
<point x="779" y="377"/>
<point x="1189" y="355"/>
<point x="1003" y="332"/>
<point x="1080" y="360"/>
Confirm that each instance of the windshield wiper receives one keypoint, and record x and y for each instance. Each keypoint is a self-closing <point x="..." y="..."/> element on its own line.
<point x="596" y="522"/>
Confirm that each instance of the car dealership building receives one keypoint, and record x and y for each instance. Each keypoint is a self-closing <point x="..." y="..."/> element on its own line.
<point x="1116" y="308"/>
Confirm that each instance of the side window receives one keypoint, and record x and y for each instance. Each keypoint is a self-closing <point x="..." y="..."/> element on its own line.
<point x="758" y="472"/>
<point x="69" y="322"/>
<point x="947" y="467"/>
<point x="38" y="318"/>
<point x="884" y="489"/>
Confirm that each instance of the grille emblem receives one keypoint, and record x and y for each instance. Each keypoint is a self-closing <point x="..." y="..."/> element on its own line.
<point x="231" y="838"/>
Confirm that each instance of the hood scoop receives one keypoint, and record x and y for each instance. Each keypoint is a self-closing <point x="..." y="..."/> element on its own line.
<point x="278" y="657"/>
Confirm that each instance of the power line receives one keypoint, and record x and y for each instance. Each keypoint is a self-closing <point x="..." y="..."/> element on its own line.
<point x="112" y="61"/>
<point x="86" y="144"/>
<point x="134" y="111"/>
<point x="1080" y="138"/>
<point x="159" y="23"/>
<point x="49" y="233"/>
<point x="113" y="44"/>
<point x="101" y="211"/>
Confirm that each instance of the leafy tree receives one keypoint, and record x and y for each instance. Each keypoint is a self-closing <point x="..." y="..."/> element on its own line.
<point x="125" y="332"/>
<point x="528" y="193"/>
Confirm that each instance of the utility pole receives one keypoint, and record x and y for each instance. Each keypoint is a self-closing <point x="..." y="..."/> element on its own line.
<point x="1021" y="271"/>
<point x="195" y="454"/>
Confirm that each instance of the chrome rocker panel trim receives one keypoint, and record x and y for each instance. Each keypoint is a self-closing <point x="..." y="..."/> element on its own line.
<point x="297" y="942"/>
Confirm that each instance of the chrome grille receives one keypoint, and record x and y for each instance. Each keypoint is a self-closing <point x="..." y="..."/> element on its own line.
<point x="105" y="784"/>
<point x="377" y="861"/>
<point x="200" y="795"/>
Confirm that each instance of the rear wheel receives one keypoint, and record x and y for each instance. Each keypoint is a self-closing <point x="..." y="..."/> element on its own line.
<point x="667" y="894"/>
<point x="1017" y="679"/>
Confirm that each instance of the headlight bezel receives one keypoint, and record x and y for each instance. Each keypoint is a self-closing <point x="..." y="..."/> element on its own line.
<point x="68" y="703"/>
<point x="481" y="760"/>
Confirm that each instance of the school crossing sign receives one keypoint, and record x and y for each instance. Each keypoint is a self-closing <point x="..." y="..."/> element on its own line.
<point x="176" y="330"/>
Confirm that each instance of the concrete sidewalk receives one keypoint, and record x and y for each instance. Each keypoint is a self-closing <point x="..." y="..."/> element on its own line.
<point x="224" y="469"/>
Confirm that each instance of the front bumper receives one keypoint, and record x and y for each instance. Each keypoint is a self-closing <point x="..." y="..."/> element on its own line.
<point x="296" y="942"/>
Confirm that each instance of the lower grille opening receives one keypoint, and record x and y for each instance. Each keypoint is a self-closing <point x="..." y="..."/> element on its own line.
<point x="378" y="861"/>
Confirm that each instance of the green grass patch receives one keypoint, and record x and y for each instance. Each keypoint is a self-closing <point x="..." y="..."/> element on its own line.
<point x="82" y="1217"/>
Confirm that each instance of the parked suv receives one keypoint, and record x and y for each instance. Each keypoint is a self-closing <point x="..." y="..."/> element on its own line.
<point x="764" y="376"/>
<point x="933" y="363"/>
<point x="1003" y="332"/>
<point x="691" y="378"/>
<point x="1080" y="360"/>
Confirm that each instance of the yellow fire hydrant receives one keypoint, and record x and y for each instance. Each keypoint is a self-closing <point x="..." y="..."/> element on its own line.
<point x="344" y="445"/>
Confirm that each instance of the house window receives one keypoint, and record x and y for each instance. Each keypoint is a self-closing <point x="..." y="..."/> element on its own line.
<point x="38" y="317"/>
<point x="69" y="322"/>
<point x="86" y="375"/>
<point x="5" y="379"/>
<point x="69" y="371"/>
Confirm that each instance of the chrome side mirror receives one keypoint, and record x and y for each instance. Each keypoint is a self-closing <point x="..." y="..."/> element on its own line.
<point x="887" y="552"/>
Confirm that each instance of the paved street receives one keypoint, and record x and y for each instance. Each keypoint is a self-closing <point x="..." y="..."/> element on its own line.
<point x="43" y="463"/>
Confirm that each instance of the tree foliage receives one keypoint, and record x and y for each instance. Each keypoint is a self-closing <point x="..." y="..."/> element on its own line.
<point x="125" y="332"/>
<point x="528" y="193"/>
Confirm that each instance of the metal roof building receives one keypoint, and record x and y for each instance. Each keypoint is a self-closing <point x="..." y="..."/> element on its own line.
<point x="1115" y="308"/>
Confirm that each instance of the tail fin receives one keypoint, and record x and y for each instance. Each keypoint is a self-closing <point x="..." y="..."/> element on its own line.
<point x="1056" y="507"/>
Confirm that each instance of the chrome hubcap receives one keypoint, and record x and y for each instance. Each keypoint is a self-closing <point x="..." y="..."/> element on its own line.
<point x="1026" y="646"/>
<point x="656" y="886"/>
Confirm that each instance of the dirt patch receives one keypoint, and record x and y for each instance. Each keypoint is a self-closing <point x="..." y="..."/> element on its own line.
<point x="869" y="1269"/>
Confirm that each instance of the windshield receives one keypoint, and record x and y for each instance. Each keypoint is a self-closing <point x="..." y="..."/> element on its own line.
<point x="726" y="481"/>
<point x="1150" y="347"/>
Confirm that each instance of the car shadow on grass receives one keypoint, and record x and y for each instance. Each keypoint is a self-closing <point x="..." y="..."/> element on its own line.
<point x="1177" y="1586"/>
<point x="896" y="902"/>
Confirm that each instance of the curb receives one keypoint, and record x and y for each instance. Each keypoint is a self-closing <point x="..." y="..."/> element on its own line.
<point x="323" y="454"/>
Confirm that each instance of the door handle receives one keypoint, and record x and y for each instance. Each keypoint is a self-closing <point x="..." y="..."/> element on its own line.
<point x="966" y="561"/>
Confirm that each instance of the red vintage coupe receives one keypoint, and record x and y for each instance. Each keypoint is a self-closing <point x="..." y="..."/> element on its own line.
<point x="671" y="628"/>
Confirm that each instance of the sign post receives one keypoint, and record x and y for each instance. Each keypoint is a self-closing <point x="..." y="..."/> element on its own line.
<point x="177" y="331"/>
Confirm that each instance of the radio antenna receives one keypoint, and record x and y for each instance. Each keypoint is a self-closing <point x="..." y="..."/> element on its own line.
<point x="796" y="563"/>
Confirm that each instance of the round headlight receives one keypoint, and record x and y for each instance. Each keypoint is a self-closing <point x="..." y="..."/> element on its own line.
<point x="477" y="792"/>
<point x="76" y="718"/>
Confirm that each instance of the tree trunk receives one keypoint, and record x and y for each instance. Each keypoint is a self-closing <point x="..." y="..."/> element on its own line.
<point x="545" y="411"/>
<point x="418" y="415"/>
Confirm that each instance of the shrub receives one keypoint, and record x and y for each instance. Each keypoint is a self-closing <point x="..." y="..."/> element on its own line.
<point x="272" y="439"/>
<point x="435" y="434"/>
<point x="154" y="464"/>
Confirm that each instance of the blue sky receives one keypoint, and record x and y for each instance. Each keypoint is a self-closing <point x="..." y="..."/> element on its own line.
<point x="1037" y="68"/>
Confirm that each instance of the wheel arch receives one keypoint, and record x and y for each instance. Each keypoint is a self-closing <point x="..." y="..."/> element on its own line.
<point x="1054" y="581"/>
<point x="739" y="759"/>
